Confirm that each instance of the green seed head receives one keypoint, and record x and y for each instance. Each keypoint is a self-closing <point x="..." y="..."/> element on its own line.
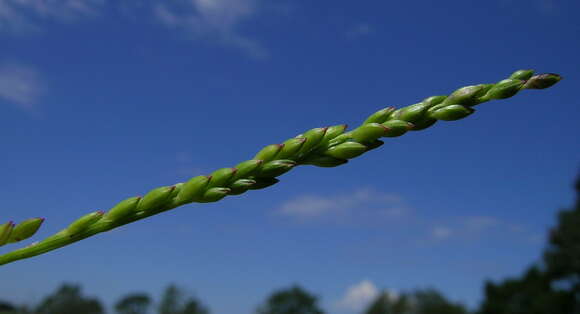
<point x="5" y="231"/>
<point x="276" y="168"/>
<point x="423" y="123"/>
<point x="331" y="134"/>
<point x="346" y="150"/>
<point x="269" y="152"/>
<point x="324" y="161"/>
<point x="291" y="148"/>
<point x="84" y="222"/>
<point x="155" y="199"/>
<point x="451" y="113"/>
<point x="412" y="113"/>
<point x="313" y="138"/>
<point x="247" y="168"/>
<point x="262" y="183"/>
<point x="522" y="75"/>
<point x="192" y="190"/>
<point x="380" y="116"/>
<point x="123" y="209"/>
<point x="214" y="195"/>
<point x="504" y="89"/>
<point x="467" y="96"/>
<point x="221" y="177"/>
<point x="433" y="100"/>
<point x="240" y="186"/>
<point x="25" y="229"/>
<point x="542" y="81"/>
<point x="368" y="132"/>
<point x="397" y="128"/>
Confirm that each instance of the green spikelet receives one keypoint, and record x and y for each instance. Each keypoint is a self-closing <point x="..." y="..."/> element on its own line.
<point x="451" y="113"/>
<point x="276" y="168"/>
<point x="346" y="150"/>
<point x="369" y="132"/>
<point x="240" y="186"/>
<point x="122" y="209"/>
<point x="269" y="152"/>
<point x="155" y="199"/>
<point x="5" y="231"/>
<point x="214" y="195"/>
<point x="84" y="222"/>
<point x="25" y="229"/>
<point x="397" y="128"/>
<point x="192" y="190"/>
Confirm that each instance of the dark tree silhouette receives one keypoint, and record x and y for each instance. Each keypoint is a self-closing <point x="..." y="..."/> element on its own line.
<point x="385" y="303"/>
<point x="562" y="256"/>
<point x="173" y="302"/>
<point x="135" y="303"/>
<point x="427" y="301"/>
<point x="294" y="300"/>
<point x="68" y="299"/>
<point x="550" y="288"/>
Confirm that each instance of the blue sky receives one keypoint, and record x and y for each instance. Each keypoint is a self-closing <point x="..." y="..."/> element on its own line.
<point x="101" y="100"/>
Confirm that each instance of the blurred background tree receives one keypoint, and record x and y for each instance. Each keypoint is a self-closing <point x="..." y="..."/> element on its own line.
<point x="294" y="300"/>
<point x="386" y="303"/>
<point x="135" y="303"/>
<point x="428" y="301"/>
<point x="68" y="299"/>
<point x="174" y="302"/>
<point x="551" y="287"/>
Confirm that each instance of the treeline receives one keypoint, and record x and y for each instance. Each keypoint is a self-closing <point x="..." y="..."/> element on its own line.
<point x="551" y="286"/>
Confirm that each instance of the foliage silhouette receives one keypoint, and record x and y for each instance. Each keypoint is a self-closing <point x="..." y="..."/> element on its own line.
<point x="428" y="301"/>
<point x="294" y="300"/>
<point x="173" y="302"/>
<point x="550" y="288"/>
<point x="135" y="303"/>
<point x="68" y="299"/>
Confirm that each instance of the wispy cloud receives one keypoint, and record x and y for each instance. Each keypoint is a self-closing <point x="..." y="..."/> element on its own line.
<point x="20" y="85"/>
<point x="217" y="20"/>
<point x="356" y="204"/>
<point x="24" y="15"/>
<point x="359" y="30"/>
<point x="469" y="227"/>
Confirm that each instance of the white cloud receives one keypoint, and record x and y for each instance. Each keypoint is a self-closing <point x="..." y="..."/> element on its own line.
<point x="20" y="85"/>
<point x="358" y="296"/>
<point x="23" y="15"/>
<point x="214" y="19"/>
<point x="359" y="31"/>
<point x="350" y="204"/>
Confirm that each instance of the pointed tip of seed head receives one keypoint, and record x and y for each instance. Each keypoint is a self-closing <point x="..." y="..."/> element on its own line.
<point x="100" y="212"/>
<point x="280" y="146"/>
<point x="209" y="177"/>
<point x="259" y="161"/>
<point x="171" y="188"/>
<point x="234" y="170"/>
